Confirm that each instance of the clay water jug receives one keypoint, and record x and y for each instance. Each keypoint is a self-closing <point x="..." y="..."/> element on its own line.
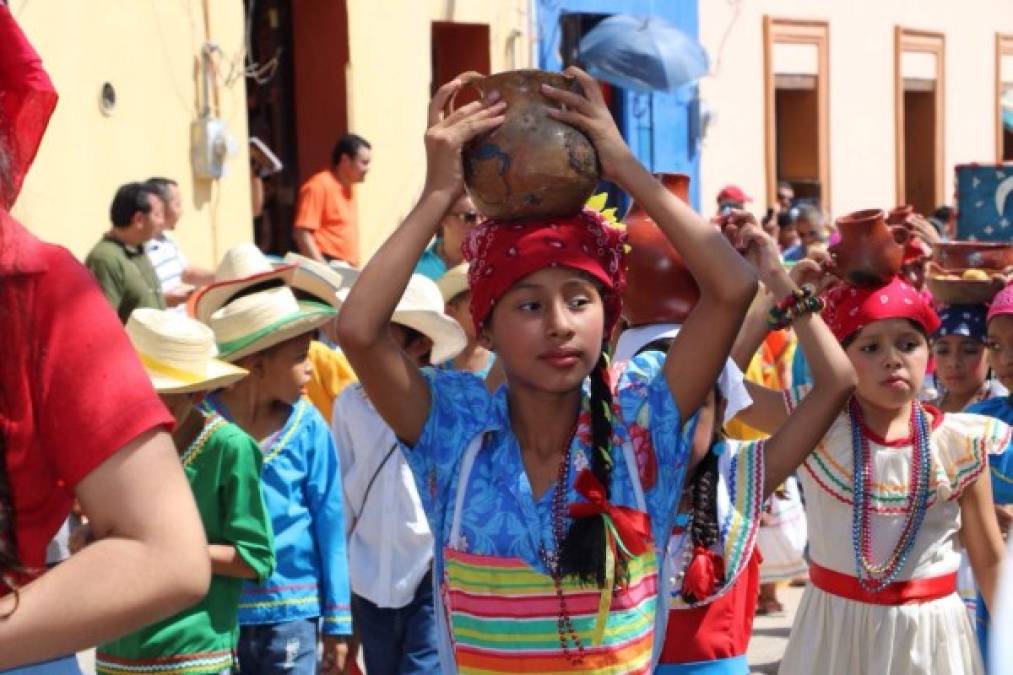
<point x="899" y="215"/>
<point x="659" y="287"/>
<point x="870" y="250"/>
<point x="531" y="166"/>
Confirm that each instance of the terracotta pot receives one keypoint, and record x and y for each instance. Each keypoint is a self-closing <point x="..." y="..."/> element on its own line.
<point x="870" y="251"/>
<point x="659" y="287"/>
<point x="898" y="215"/>
<point x="531" y="166"/>
<point x="961" y="255"/>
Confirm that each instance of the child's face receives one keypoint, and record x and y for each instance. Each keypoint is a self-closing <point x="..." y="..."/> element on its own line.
<point x="1000" y="345"/>
<point x="961" y="366"/>
<point x="547" y="330"/>
<point x="284" y="370"/>
<point x="890" y="358"/>
<point x="418" y="347"/>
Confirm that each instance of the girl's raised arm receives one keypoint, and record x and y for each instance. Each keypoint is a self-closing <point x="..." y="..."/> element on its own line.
<point x="834" y="378"/>
<point x="727" y="284"/>
<point x="394" y="384"/>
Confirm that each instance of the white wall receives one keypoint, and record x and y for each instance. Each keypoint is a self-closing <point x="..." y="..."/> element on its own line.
<point x="861" y="75"/>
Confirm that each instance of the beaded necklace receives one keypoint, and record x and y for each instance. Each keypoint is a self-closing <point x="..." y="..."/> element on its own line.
<point x="872" y="576"/>
<point x="564" y="624"/>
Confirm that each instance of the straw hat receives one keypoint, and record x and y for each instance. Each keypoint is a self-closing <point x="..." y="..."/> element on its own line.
<point x="319" y="280"/>
<point x="264" y="319"/>
<point x="453" y="282"/>
<point x="421" y="309"/>
<point x="347" y="272"/>
<point x="178" y="352"/>
<point x="241" y="267"/>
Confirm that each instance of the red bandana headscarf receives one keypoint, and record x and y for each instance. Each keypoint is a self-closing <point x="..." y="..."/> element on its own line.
<point x="499" y="254"/>
<point x="849" y="309"/>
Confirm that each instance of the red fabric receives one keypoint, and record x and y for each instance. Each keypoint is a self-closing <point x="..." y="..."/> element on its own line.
<point x="851" y="308"/>
<point x="634" y="527"/>
<point x="72" y="390"/>
<point x="500" y="254"/>
<point x="27" y="100"/>
<point x="717" y="630"/>
<point x="897" y="593"/>
<point x="705" y="570"/>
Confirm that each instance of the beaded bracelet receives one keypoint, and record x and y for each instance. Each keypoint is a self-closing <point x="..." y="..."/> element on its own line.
<point x="801" y="301"/>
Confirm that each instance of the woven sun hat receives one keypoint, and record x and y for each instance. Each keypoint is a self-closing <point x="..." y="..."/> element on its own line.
<point x="421" y="309"/>
<point x="255" y="322"/>
<point x="347" y="272"/>
<point x="453" y="282"/>
<point x="242" y="267"/>
<point x="178" y="352"/>
<point x="317" y="279"/>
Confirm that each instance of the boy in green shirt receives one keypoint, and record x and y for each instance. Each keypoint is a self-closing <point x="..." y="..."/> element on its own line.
<point x="223" y="466"/>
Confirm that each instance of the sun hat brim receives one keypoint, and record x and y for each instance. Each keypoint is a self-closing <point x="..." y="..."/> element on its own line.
<point x="317" y="279"/>
<point x="209" y="299"/>
<point x="448" y="337"/>
<point x="452" y="284"/>
<point x="168" y="380"/>
<point x="310" y="316"/>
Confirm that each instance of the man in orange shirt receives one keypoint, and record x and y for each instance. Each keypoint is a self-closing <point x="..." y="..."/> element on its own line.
<point x="326" y="224"/>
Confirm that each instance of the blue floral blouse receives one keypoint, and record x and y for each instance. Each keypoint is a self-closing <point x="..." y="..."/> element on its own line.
<point x="500" y="516"/>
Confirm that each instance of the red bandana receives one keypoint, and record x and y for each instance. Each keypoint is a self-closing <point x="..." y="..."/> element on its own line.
<point x="500" y="254"/>
<point x="852" y="308"/>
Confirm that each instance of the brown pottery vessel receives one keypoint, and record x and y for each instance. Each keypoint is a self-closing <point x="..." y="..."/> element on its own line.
<point x="899" y="215"/>
<point x="531" y="166"/>
<point x="659" y="287"/>
<point x="870" y="250"/>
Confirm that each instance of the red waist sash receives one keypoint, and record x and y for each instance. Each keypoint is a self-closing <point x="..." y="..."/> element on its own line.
<point x="897" y="593"/>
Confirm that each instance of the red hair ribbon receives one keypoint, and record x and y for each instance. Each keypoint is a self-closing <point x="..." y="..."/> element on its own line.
<point x="632" y="527"/>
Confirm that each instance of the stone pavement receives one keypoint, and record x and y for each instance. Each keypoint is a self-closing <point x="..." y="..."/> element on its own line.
<point x="770" y="633"/>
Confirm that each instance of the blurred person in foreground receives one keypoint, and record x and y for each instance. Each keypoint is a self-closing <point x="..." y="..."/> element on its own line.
<point x="78" y="420"/>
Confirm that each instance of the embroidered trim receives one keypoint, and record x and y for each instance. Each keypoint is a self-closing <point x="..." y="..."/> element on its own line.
<point x="279" y="445"/>
<point x="281" y="602"/>
<point x="199" y="663"/>
<point x="213" y="423"/>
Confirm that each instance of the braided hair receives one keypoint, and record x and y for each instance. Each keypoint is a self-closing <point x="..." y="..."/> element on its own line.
<point x="581" y="552"/>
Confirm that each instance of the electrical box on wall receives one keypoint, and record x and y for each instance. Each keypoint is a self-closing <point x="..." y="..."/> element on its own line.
<point x="211" y="144"/>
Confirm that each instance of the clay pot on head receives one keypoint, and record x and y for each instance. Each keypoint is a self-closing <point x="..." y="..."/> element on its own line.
<point x="870" y="251"/>
<point x="531" y="166"/>
<point x="659" y="287"/>
<point x="898" y="215"/>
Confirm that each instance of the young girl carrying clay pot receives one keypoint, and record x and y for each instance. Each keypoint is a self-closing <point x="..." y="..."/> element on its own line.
<point x="533" y="493"/>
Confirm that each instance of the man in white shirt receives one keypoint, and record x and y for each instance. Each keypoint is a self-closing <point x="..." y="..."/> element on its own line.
<point x="390" y="547"/>
<point x="178" y="278"/>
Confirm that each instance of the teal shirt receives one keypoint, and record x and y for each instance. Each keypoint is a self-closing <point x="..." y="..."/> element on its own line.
<point x="431" y="264"/>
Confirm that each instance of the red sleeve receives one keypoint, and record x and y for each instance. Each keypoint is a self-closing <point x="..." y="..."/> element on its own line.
<point x="310" y="206"/>
<point x="92" y="392"/>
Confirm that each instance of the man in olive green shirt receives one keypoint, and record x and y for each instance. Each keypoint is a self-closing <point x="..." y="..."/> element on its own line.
<point x="118" y="261"/>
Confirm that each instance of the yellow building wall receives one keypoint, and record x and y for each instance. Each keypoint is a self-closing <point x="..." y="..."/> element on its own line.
<point x="861" y="76"/>
<point x="149" y="51"/>
<point x="388" y="91"/>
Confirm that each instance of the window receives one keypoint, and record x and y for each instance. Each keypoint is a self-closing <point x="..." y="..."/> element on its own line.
<point x="797" y="106"/>
<point x="1003" y="98"/>
<point x="919" y="102"/>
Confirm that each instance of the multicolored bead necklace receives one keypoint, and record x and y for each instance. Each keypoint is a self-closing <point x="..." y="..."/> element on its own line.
<point x="872" y="576"/>
<point x="564" y="624"/>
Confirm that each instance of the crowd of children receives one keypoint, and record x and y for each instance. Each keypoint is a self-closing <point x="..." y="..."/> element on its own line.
<point x="457" y="475"/>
